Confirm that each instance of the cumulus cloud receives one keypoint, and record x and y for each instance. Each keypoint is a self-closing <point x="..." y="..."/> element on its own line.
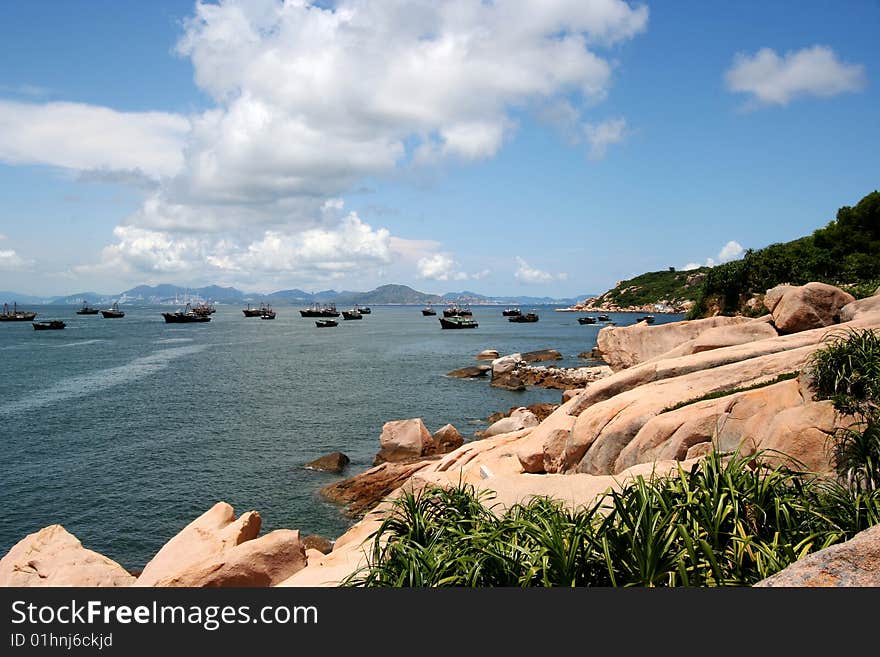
<point x="88" y="137"/>
<point x="601" y="135"/>
<point x="442" y="267"/>
<point x="11" y="261"/>
<point x="774" y="80"/>
<point x="730" y="251"/>
<point x="309" y="99"/>
<point x="525" y="273"/>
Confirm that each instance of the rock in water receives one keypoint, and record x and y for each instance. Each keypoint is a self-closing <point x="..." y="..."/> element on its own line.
<point x="487" y="354"/>
<point x="334" y="462"/>
<point x="470" y="372"/>
<point x="447" y="438"/>
<point x="55" y="557"/>
<point x="404" y="439"/>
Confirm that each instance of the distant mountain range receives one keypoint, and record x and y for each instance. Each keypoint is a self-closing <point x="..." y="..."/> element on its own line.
<point x="384" y="294"/>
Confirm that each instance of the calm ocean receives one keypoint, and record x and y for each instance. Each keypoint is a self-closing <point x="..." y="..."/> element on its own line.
<point x="124" y="430"/>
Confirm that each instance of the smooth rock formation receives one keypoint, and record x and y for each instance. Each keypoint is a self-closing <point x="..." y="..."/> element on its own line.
<point x="404" y="439"/>
<point x="55" y="557"/>
<point x="541" y="355"/>
<point x="487" y="354"/>
<point x="212" y="533"/>
<point x="854" y="563"/>
<point x="518" y="419"/>
<point x="447" y="438"/>
<point x="722" y="336"/>
<point x="625" y="346"/>
<point x="264" y="561"/>
<point x="317" y="542"/>
<point x="804" y="307"/>
<point x="470" y="372"/>
<point x="334" y="462"/>
<point x="362" y="492"/>
<point x="856" y="309"/>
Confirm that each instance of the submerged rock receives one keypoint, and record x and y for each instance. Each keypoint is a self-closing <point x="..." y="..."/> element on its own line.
<point x="470" y="372"/>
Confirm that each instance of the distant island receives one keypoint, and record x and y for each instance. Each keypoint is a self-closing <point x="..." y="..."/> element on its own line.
<point x="167" y="294"/>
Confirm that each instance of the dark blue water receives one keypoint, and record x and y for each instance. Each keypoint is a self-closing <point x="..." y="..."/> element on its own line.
<point x="124" y="430"/>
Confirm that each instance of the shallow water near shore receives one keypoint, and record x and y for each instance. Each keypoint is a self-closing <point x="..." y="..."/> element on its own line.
<point x="125" y="430"/>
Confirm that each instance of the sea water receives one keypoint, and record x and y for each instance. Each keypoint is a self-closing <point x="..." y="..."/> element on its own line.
<point x="124" y="430"/>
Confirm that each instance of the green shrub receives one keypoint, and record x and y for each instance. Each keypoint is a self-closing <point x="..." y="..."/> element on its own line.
<point x="728" y="521"/>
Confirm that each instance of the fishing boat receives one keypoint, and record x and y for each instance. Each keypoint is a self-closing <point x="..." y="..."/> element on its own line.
<point x="49" y="325"/>
<point x="204" y="308"/>
<point x="16" y="315"/>
<point x="269" y="314"/>
<point x="366" y="310"/>
<point x="186" y="316"/>
<point x="318" y="310"/>
<point x="511" y="312"/>
<point x="587" y="320"/>
<point x="527" y="318"/>
<point x="354" y="313"/>
<point x="452" y="310"/>
<point x="457" y="322"/>
<point x="603" y="318"/>
<point x="322" y="323"/>
<point x="427" y="311"/>
<point x="252" y="312"/>
<point x="87" y="309"/>
<point x="648" y="319"/>
<point x="112" y="312"/>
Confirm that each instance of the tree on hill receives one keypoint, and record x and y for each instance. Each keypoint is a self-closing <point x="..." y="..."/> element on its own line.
<point x="845" y="253"/>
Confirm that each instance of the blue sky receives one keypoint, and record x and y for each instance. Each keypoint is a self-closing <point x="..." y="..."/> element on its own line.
<point x="541" y="148"/>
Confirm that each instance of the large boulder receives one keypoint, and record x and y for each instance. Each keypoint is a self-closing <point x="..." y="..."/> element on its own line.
<point x="625" y="346"/>
<point x="334" y="462"/>
<point x="55" y="557"/>
<point x="212" y="533"/>
<point x="402" y="440"/>
<point x="541" y="355"/>
<point x="520" y="418"/>
<point x="264" y="561"/>
<point x="856" y="309"/>
<point x="853" y="563"/>
<point x="722" y="336"/>
<point x="447" y="438"/>
<point x="801" y="307"/>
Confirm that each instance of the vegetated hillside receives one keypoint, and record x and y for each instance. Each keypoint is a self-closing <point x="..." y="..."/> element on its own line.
<point x="845" y="253"/>
<point x="677" y="290"/>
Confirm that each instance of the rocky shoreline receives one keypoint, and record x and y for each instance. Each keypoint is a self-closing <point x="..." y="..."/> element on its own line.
<point x="666" y="396"/>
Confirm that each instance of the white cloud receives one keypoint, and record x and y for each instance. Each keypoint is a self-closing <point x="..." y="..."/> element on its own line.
<point x="775" y="80"/>
<point x="87" y="137"/>
<point x="442" y="267"/>
<point x="307" y="102"/>
<point x="602" y="135"/>
<point x="528" y="274"/>
<point x="11" y="261"/>
<point x="730" y="251"/>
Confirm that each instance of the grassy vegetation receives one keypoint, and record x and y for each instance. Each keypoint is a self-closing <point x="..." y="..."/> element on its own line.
<point x="847" y="371"/>
<point x="653" y="287"/>
<point x="726" y="522"/>
<point x="726" y="393"/>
